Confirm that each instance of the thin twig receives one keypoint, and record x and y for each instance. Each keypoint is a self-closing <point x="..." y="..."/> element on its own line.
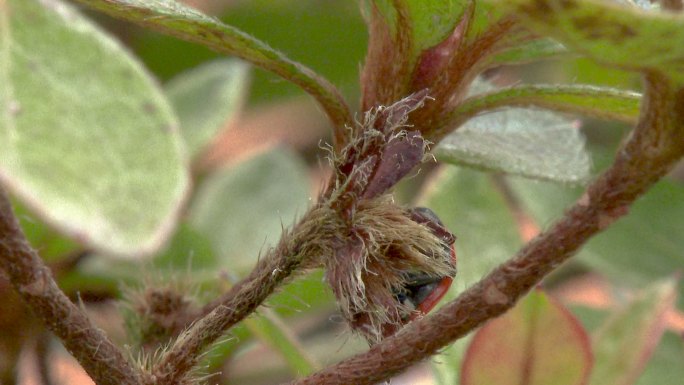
<point x="654" y="147"/>
<point x="32" y="279"/>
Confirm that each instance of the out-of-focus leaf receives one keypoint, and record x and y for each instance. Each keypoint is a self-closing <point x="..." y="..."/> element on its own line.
<point x="538" y="342"/>
<point x="206" y="98"/>
<point x="606" y="103"/>
<point x="583" y="70"/>
<point x="302" y="294"/>
<point x="590" y="317"/>
<point x="666" y="367"/>
<point x="625" y="343"/>
<point x="611" y="33"/>
<point x="636" y="250"/>
<point x="271" y="329"/>
<point x="179" y="20"/>
<point x="643" y="246"/>
<point x="535" y="144"/>
<point x="51" y="245"/>
<point x="188" y="256"/>
<point x="303" y="29"/>
<point x="188" y="251"/>
<point x="543" y="200"/>
<point x="533" y="51"/>
<point x="300" y="29"/>
<point x="471" y="208"/>
<point x="242" y="210"/>
<point x="87" y="140"/>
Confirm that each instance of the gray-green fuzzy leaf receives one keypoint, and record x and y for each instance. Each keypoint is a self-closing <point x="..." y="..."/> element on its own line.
<point x="206" y="98"/>
<point x="535" y="144"/>
<point x="87" y="139"/>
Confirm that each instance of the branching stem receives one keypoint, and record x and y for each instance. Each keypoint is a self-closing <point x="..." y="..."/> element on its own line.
<point x="655" y="145"/>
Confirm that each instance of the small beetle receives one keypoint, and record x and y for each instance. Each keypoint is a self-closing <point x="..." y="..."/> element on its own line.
<point x="422" y="291"/>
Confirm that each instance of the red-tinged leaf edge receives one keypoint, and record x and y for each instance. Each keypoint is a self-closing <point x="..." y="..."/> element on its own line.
<point x="483" y="334"/>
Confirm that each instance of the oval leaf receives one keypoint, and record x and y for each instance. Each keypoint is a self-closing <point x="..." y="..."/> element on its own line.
<point x="536" y="343"/>
<point x="242" y="210"/>
<point x="531" y="143"/>
<point x="206" y="98"/>
<point x="625" y="343"/>
<point x="87" y="140"/>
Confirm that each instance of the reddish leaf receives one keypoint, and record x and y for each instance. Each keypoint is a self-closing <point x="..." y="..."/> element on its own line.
<point x="536" y="343"/>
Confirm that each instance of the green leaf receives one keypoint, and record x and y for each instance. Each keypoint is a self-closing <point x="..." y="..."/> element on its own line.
<point x="636" y="250"/>
<point x="598" y="102"/>
<point x="538" y="342"/>
<point x="624" y="344"/>
<point x="271" y="329"/>
<point x="303" y="294"/>
<point x="87" y="140"/>
<point x="544" y="201"/>
<point x="206" y="98"/>
<point x="52" y="245"/>
<point x="189" y="255"/>
<point x="188" y="252"/>
<point x="666" y="367"/>
<point x="620" y="35"/>
<point x="531" y="143"/>
<point x="179" y="20"/>
<point x="534" y="50"/>
<point x="472" y="208"/>
<point x="643" y="246"/>
<point x="242" y="210"/>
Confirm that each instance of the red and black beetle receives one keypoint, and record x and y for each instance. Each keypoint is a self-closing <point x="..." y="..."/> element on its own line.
<point x="422" y="291"/>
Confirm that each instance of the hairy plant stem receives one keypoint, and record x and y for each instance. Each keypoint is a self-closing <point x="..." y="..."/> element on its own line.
<point x="32" y="279"/>
<point x="296" y="247"/>
<point x="369" y="165"/>
<point x="653" y="148"/>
